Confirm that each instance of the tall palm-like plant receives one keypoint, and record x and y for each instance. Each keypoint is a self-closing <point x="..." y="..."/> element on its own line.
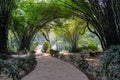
<point x="104" y="15"/>
<point x="6" y="8"/>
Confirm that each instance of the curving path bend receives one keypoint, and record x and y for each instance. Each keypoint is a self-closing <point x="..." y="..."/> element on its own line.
<point x="49" y="68"/>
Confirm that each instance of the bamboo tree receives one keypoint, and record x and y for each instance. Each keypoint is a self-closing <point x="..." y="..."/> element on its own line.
<point x="104" y="15"/>
<point x="34" y="17"/>
<point x="6" y="8"/>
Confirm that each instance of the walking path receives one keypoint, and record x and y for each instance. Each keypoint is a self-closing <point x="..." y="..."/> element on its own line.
<point x="49" y="68"/>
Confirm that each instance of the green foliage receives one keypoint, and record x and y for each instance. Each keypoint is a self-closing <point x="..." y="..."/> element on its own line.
<point x="15" y="66"/>
<point x="2" y="56"/>
<point x="9" y="68"/>
<point x="54" y="53"/>
<point x="89" y="40"/>
<point x="110" y="63"/>
<point x="31" y="16"/>
<point x="6" y="8"/>
<point x="13" y="43"/>
<point x="82" y="64"/>
<point x="46" y="47"/>
<point x="72" y="58"/>
<point x="33" y="45"/>
<point x="97" y="12"/>
<point x="70" y="30"/>
<point x="76" y="50"/>
<point x="73" y="32"/>
<point x="90" y="47"/>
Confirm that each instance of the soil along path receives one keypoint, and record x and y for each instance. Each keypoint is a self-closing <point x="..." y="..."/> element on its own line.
<point x="49" y="68"/>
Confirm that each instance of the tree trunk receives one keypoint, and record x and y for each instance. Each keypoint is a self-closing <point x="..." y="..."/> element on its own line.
<point x="6" y="7"/>
<point x="74" y="42"/>
<point x="25" y="43"/>
<point x="4" y="33"/>
<point x="105" y="18"/>
<point x="3" y="39"/>
<point x="46" y="35"/>
<point x="73" y="48"/>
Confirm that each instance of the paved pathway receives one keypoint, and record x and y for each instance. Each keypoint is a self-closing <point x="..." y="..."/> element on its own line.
<point x="49" y="68"/>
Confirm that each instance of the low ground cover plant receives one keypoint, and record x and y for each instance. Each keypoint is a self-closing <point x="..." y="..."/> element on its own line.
<point x="16" y="68"/>
<point x="109" y="68"/>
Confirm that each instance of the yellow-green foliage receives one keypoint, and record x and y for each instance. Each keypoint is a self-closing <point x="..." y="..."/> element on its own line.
<point x="46" y="47"/>
<point x="34" y="45"/>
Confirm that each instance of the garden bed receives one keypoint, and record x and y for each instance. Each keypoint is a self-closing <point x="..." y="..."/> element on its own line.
<point x="17" y="67"/>
<point x="100" y="67"/>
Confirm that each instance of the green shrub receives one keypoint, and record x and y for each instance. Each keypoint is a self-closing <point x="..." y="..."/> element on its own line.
<point x="2" y="56"/>
<point x="76" y="50"/>
<point x="90" y="47"/>
<point x="72" y="58"/>
<point x="13" y="67"/>
<point x="110" y="64"/>
<point x="82" y="64"/>
<point x="54" y="53"/>
<point x="9" y="68"/>
<point x="93" y="47"/>
<point x="46" y="47"/>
